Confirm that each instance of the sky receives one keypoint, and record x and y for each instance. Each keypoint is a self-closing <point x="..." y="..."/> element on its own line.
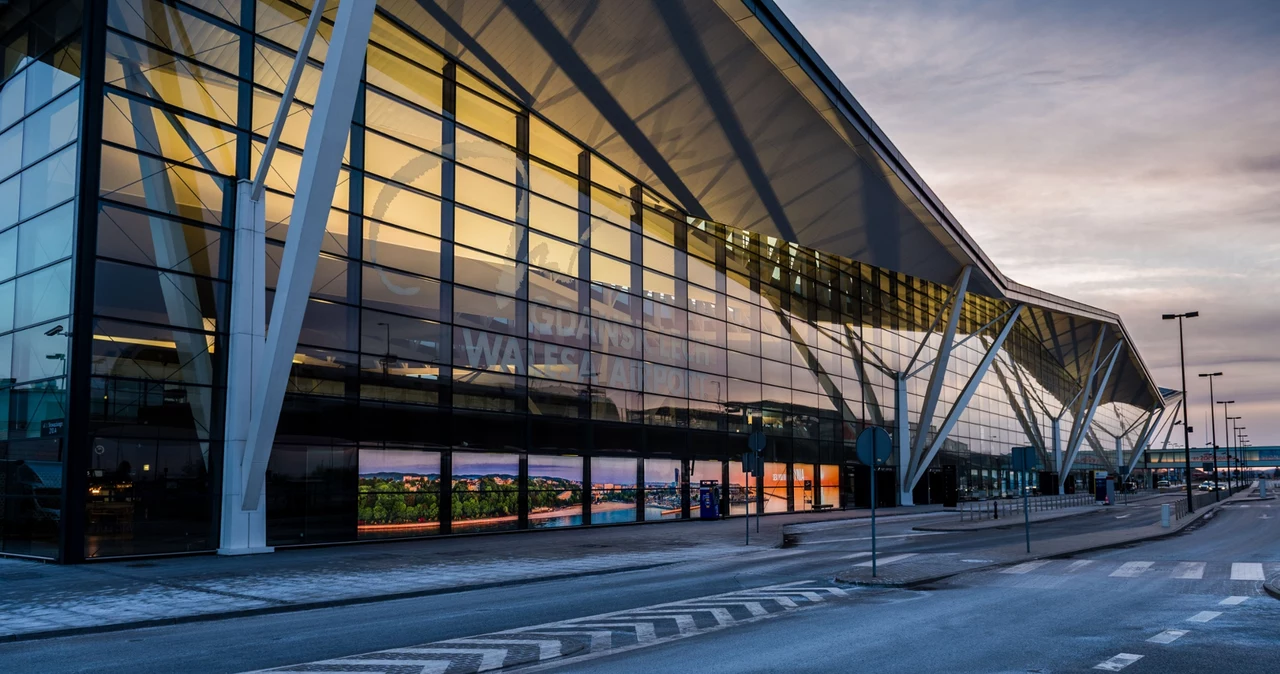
<point x="1123" y="154"/>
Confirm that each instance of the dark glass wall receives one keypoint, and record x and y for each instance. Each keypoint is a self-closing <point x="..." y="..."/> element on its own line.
<point x="40" y="105"/>
<point x="504" y="331"/>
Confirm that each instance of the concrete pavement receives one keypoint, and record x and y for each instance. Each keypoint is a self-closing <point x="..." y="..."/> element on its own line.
<point x="42" y="600"/>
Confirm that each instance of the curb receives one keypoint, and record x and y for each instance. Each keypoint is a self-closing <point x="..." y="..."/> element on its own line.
<point x="1173" y="530"/>
<point x="1273" y="587"/>
<point x="308" y="606"/>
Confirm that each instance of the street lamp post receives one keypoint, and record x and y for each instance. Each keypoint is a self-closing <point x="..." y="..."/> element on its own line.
<point x="1226" y="437"/>
<point x="1213" y="430"/>
<point x="1233" y="451"/>
<point x="1186" y="430"/>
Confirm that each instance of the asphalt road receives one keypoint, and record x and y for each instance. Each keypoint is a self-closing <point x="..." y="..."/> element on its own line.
<point x="1052" y="618"/>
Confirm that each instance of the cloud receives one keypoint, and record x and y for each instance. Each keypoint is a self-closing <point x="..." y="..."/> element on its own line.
<point x="1121" y="154"/>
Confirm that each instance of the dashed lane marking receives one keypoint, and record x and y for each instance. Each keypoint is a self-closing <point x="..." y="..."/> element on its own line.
<point x="569" y="641"/>
<point x="1232" y="601"/>
<point x="1118" y="662"/>
<point x="1247" y="571"/>
<point x="1078" y="564"/>
<point x="1167" y="636"/>
<point x="857" y="555"/>
<point x="1189" y="570"/>
<point x="1026" y="567"/>
<point x="1131" y="569"/>
<point x="1204" y="616"/>
<point x="889" y="560"/>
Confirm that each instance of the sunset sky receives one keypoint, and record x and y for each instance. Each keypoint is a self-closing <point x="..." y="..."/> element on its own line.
<point x="1124" y="154"/>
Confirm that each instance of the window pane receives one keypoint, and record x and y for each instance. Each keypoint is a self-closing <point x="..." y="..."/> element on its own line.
<point x="485" y="491"/>
<point x="37" y="355"/>
<point x="399" y="493"/>
<point x="52" y="127"/>
<point x="555" y="491"/>
<point x="486" y="116"/>
<point x="391" y="291"/>
<point x="50" y="182"/>
<point x="402" y="163"/>
<point x="46" y="239"/>
<point x="553" y="254"/>
<point x="402" y="122"/>
<point x="43" y="295"/>
<point x="394" y="247"/>
<point x="400" y="206"/>
<point x="131" y="236"/>
<point x="154" y="296"/>
<point x="479" y="191"/>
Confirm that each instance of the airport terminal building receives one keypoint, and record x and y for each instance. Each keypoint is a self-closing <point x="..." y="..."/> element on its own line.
<point x="511" y="264"/>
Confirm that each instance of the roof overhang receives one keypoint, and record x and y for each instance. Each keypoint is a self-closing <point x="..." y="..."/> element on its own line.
<point x="726" y="110"/>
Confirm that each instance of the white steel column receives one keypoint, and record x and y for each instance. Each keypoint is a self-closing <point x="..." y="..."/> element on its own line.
<point x="244" y="531"/>
<point x="953" y="417"/>
<point x="1057" y="450"/>
<point x="902" y="439"/>
<point x="934" y="392"/>
<point x="1083" y="424"/>
<point x="321" y="161"/>
<point x="1144" y="440"/>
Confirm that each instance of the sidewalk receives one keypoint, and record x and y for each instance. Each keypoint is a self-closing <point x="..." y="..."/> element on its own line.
<point x="915" y="570"/>
<point x="44" y="600"/>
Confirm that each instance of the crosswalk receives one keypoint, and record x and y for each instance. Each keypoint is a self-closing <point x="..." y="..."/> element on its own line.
<point x="585" y="638"/>
<point x="1147" y="570"/>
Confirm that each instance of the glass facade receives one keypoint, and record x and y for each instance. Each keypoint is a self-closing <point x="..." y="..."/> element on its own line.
<point x="505" y="330"/>
<point x="40" y="101"/>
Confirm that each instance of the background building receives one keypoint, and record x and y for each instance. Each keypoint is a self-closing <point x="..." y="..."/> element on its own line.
<point x="575" y="252"/>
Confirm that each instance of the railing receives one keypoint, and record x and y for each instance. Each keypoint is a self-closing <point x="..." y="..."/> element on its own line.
<point x="1205" y="499"/>
<point x="996" y="508"/>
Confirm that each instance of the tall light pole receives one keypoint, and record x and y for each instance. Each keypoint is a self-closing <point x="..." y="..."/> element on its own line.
<point x="1213" y="430"/>
<point x="1186" y="429"/>
<point x="1226" y="432"/>
<point x="1233" y="450"/>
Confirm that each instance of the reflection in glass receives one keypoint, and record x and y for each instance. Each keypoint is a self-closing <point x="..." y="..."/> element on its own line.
<point x="485" y="491"/>
<point x="399" y="493"/>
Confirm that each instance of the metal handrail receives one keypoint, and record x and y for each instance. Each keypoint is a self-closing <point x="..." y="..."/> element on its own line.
<point x="996" y="508"/>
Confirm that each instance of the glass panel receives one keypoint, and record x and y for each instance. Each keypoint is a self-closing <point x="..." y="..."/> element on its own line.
<point x="38" y="354"/>
<point x="613" y="490"/>
<point x="662" y="489"/>
<point x="10" y="151"/>
<point x="400" y="206"/>
<point x="489" y="272"/>
<point x="43" y="295"/>
<point x="48" y="183"/>
<point x="403" y="123"/>
<point x="50" y="128"/>
<point x="177" y="31"/>
<point x="829" y="485"/>
<point x="485" y="116"/>
<point x="9" y="201"/>
<point x="555" y="491"/>
<point x="399" y="493"/>
<point x="394" y="247"/>
<point x="404" y="79"/>
<point x="391" y="291"/>
<point x="553" y="218"/>
<point x="46" y="238"/>
<point x="154" y="296"/>
<point x="155" y="241"/>
<point x="485" y="491"/>
<point x="153" y="352"/>
<point x="552" y="146"/>
<point x="481" y="192"/>
<point x="775" y="487"/>
<point x="488" y="351"/>
<point x="402" y="163"/>
<point x="159" y="186"/>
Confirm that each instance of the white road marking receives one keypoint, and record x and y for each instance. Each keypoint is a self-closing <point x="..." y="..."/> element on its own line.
<point x="976" y="561"/>
<point x="878" y="538"/>
<point x="1204" y="616"/>
<point x="1026" y="567"/>
<point x="1232" y="601"/>
<point x="1079" y="564"/>
<point x="889" y="560"/>
<point x="1247" y="571"/>
<point x="1131" y="569"/>
<point x="1167" y="636"/>
<point x="1118" y="662"/>
<point x="1120" y="517"/>
<point x="1189" y="570"/>
<point x="857" y="555"/>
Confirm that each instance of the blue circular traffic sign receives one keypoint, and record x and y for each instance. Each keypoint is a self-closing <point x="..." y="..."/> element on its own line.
<point x="874" y="446"/>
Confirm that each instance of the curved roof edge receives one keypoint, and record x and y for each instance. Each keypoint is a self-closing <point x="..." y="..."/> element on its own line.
<point x="787" y="36"/>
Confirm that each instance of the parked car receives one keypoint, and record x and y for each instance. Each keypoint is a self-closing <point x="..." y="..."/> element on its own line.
<point x="1163" y="484"/>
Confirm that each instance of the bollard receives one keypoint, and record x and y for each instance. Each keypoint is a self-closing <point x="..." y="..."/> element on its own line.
<point x="995" y="510"/>
<point x="1262" y="488"/>
<point x="1164" y="515"/>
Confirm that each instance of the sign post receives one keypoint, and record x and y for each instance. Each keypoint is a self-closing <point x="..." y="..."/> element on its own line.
<point x="1025" y="460"/>
<point x="873" y="450"/>
<point x="753" y="466"/>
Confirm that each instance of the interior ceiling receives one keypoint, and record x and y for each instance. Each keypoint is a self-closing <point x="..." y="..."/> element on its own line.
<point x="697" y="100"/>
